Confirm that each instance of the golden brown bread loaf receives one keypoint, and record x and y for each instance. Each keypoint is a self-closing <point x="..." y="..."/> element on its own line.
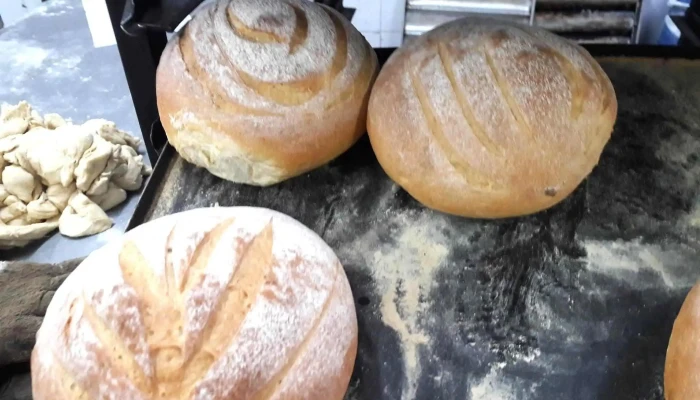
<point x="683" y="355"/>
<point x="257" y="91"/>
<point x="480" y="118"/>
<point x="220" y="303"/>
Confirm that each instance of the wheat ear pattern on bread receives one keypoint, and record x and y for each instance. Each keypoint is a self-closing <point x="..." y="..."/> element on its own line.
<point x="258" y="91"/>
<point x="220" y="303"/>
<point x="482" y="118"/>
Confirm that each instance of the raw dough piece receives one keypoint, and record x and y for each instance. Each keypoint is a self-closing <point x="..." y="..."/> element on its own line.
<point x="22" y="220"/>
<point x="19" y="182"/>
<point x="111" y="198"/>
<point x="11" y="199"/>
<point x="132" y="178"/>
<point x="14" y="120"/>
<point x="54" y="161"/>
<point x="59" y="195"/>
<point x="99" y="186"/>
<point x="13" y="127"/>
<point x="35" y="120"/>
<point x="17" y="236"/>
<point x="9" y="144"/>
<point x="82" y="217"/>
<point x="109" y="132"/>
<point x="52" y="171"/>
<point x="41" y="208"/>
<point x="92" y="163"/>
<point x="12" y="211"/>
<point x="53" y="121"/>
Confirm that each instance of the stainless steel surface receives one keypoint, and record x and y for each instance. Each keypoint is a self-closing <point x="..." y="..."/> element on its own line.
<point x="512" y="7"/>
<point x="418" y="21"/>
<point x="48" y="59"/>
<point x="597" y="21"/>
<point x="651" y="20"/>
<point x="606" y="40"/>
<point x="587" y="21"/>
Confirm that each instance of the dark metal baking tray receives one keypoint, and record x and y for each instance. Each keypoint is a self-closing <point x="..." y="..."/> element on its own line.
<point x="576" y="302"/>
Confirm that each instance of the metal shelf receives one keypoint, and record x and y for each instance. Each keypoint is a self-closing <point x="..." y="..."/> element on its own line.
<point x="500" y="7"/>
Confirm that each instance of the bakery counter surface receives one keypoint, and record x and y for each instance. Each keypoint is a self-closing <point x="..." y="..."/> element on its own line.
<point x="48" y="59"/>
<point x="573" y="303"/>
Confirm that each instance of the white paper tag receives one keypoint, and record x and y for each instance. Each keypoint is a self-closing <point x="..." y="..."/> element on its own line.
<point x="99" y="23"/>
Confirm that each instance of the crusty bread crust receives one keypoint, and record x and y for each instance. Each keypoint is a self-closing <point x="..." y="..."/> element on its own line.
<point x="683" y="355"/>
<point x="220" y="303"/>
<point x="484" y="119"/>
<point x="260" y="91"/>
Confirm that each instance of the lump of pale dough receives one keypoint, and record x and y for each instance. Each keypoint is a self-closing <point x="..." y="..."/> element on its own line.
<point x="108" y="131"/>
<point x="78" y="172"/>
<point x="11" y="199"/>
<point x="59" y="195"/>
<point x="132" y="177"/>
<point x="22" y="220"/>
<point x="41" y="208"/>
<point x="26" y="232"/>
<point x="53" y="121"/>
<point x="14" y="120"/>
<point x="82" y="217"/>
<point x="19" y="182"/>
<point x="111" y="198"/>
<point x="8" y="144"/>
<point x="100" y="185"/>
<point x="92" y="163"/>
<point x="12" y="211"/>
<point x="21" y="111"/>
<point x="13" y="127"/>
<point x="35" y="120"/>
<point x="54" y="155"/>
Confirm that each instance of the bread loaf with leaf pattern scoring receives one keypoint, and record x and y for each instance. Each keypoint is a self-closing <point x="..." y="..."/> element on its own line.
<point x="487" y="119"/>
<point x="258" y="91"/>
<point x="220" y="303"/>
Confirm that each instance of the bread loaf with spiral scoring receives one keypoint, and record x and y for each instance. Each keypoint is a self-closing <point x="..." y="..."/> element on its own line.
<point x="482" y="118"/>
<point x="258" y="91"/>
<point x="220" y="303"/>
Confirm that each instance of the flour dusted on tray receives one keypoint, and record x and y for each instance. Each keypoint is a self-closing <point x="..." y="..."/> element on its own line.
<point x="54" y="174"/>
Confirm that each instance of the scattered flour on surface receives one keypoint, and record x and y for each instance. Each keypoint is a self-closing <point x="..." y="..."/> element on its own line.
<point x="627" y="259"/>
<point x="492" y="387"/>
<point x="63" y="67"/>
<point x="404" y="270"/>
<point x="693" y="218"/>
<point x="22" y="54"/>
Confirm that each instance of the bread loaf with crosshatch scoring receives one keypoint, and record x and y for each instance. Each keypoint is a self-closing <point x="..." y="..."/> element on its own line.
<point x="220" y="303"/>
<point x="488" y="119"/>
<point x="258" y="91"/>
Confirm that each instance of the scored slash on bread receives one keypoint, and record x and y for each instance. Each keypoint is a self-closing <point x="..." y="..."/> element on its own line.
<point x="216" y="303"/>
<point x="487" y="119"/>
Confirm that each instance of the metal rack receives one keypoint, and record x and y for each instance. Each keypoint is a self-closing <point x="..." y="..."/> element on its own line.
<point x="586" y="21"/>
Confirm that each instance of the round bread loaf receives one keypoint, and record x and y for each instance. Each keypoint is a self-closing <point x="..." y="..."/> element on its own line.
<point x="683" y="355"/>
<point x="220" y="303"/>
<point x="258" y="91"/>
<point x="484" y="119"/>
